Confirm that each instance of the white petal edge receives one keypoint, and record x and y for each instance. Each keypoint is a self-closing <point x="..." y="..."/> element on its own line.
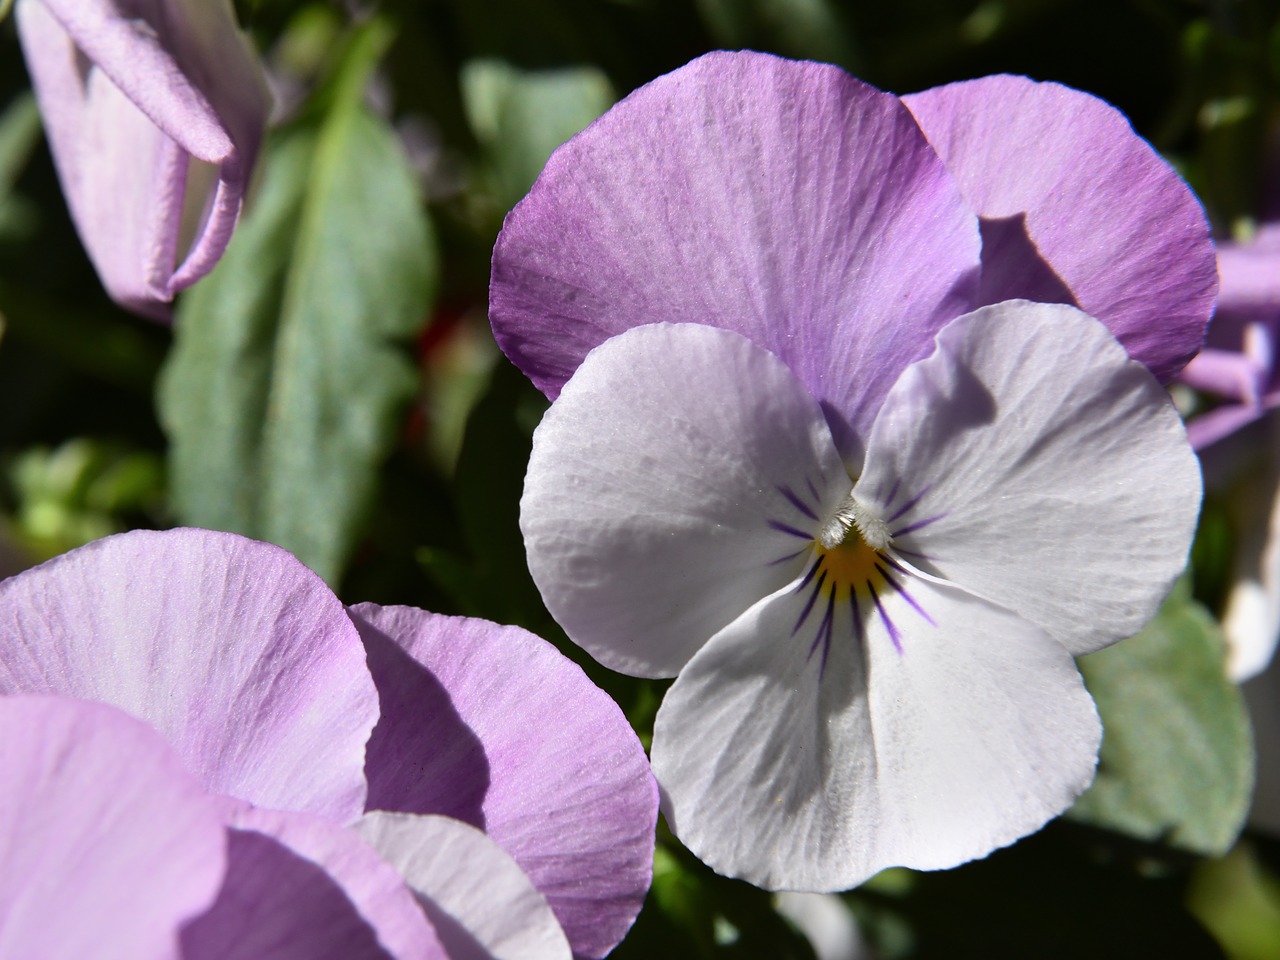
<point x="479" y="900"/>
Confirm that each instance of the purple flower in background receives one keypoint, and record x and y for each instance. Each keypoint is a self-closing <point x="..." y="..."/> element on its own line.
<point x="863" y="524"/>
<point x="1238" y="362"/>
<point x="1239" y="440"/>
<point x="509" y="804"/>
<point x="154" y="111"/>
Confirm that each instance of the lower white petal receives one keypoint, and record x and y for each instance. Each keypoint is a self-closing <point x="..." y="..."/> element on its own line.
<point x="819" y="739"/>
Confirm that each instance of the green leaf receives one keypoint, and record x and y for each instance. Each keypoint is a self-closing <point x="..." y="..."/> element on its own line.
<point x="1177" y="753"/>
<point x="283" y="394"/>
<point x="19" y="137"/>
<point x="519" y="117"/>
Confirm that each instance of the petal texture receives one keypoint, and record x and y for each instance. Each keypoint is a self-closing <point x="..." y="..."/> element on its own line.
<point x="479" y="899"/>
<point x="494" y="726"/>
<point x="677" y="480"/>
<point x="808" y="746"/>
<point x="129" y="92"/>
<point x="299" y="887"/>
<point x="786" y="201"/>
<point x="107" y="844"/>
<point x="237" y="653"/>
<point x="1062" y="182"/>
<point x="1030" y="461"/>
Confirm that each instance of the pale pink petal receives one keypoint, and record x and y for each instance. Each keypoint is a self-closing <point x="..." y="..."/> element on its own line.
<point x="299" y="887"/>
<point x="107" y="844"/>
<point x="231" y="648"/>
<point x="493" y="726"/>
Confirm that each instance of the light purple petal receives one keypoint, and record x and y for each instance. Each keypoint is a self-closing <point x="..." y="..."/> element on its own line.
<point x="1040" y="467"/>
<point x="299" y="887"/>
<point x="231" y="648"/>
<point x="130" y="92"/>
<point x="493" y="726"/>
<point x="482" y="904"/>
<point x="1089" y="198"/>
<point x="786" y="201"/>
<point x="870" y="720"/>
<point x="107" y="844"/>
<point x="679" y="478"/>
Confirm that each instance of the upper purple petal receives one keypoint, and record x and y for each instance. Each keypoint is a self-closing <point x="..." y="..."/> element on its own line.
<point x="493" y="726"/>
<point x="231" y="648"/>
<point x="129" y="91"/>
<point x="107" y="844"/>
<point x="1074" y="202"/>
<point x="786" y="201"/>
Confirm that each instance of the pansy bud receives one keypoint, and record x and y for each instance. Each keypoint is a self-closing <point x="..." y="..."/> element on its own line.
<point x="154" y="111"/>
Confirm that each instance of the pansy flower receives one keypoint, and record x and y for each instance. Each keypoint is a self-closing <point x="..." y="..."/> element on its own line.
<point x="468" y="790"/>
<point x="865" y="525"/>
<point x="154" y="112"/>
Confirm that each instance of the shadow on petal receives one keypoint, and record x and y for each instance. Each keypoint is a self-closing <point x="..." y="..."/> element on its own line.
<point x="276" y="903"/>
<point x="1013" y="267"/>
<point x="422" y="756"/>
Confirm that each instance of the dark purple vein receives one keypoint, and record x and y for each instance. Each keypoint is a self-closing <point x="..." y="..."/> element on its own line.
<point x="797" y="502"/>
<point x="908" y="505"/>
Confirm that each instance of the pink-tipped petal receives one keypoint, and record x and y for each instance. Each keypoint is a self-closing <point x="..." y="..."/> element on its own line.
<point x="1094" y="203"/>
<point x="493" y="726"/>
<point x="299" y="887"/>
<point x="786" y="201"/>
<point x="108" y="845"/>
<point x="231" y="648"/>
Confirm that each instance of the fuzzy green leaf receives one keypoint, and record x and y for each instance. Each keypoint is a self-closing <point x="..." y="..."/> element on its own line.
<point x="1177" y="753"/>
<point x="283" y="394"/>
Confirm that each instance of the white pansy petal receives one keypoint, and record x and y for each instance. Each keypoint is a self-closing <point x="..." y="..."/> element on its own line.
<point x="477" y="897"/>
<point x="679" y="478"/>
<point x="1030" y="461"/>
<point x="808" y="752"/>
